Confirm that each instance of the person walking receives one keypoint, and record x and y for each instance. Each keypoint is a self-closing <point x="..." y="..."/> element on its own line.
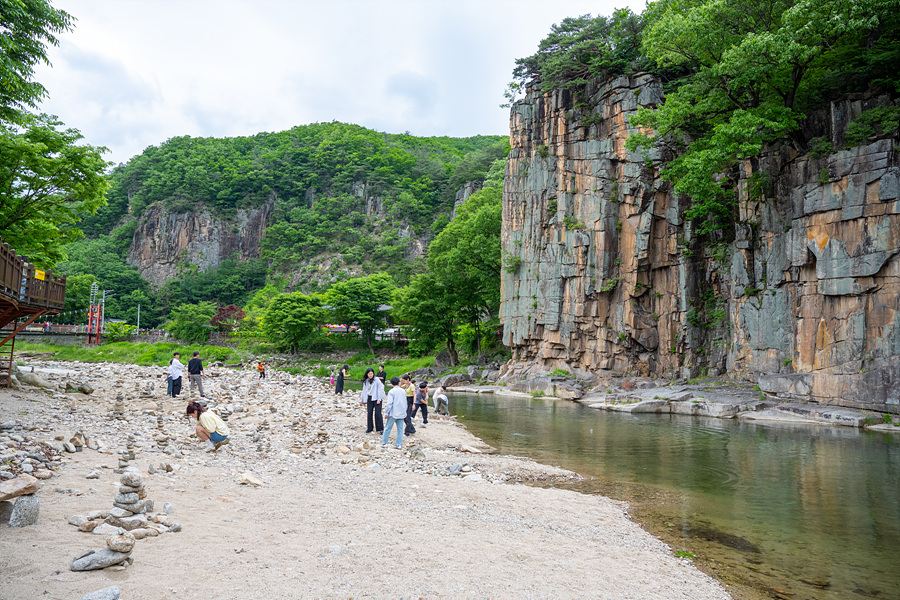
<point x="261" y="367"/>
<point x="339" y="382"/>
<point x="421" y="402"/>
<point x="410" y="391"/>
<point x="395" y="407"/>
<point x="195" y="373"/>
<point x="372" y="396"/>
<point x="176" y="369"/>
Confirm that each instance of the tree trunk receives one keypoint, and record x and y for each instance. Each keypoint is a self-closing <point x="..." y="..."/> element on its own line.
<point x="451" y="350"/>
<point x="369" y="344"/>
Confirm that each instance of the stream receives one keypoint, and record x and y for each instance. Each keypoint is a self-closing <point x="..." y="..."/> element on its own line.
<point x="773" y="510"/>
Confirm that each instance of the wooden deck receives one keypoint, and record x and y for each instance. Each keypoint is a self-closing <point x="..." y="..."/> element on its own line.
<point x="26" y="294"/>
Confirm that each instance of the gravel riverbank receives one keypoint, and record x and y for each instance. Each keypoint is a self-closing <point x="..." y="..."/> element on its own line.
<point x="326" y="513"/>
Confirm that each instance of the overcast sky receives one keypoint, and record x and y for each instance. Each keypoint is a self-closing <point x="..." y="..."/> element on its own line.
<point x="134" y="73"/>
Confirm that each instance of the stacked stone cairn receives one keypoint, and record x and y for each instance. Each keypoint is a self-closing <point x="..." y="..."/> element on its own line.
<point x="126" y="456"/>
<point x="118" y="410"/>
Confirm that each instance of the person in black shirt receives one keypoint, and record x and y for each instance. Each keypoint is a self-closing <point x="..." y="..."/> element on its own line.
<point x="195" y="373"/>
<point x="381" y="374"/>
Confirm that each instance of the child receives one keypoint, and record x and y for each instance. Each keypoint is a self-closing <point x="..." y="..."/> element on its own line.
<point x="395" y="407"/>
<point x="421" y="401"/>
<point x="332" y="378"/>
<point x="261" y="367"/>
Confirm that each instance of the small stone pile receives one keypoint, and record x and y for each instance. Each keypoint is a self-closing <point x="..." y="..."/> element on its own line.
<point x="118" y="409"/>
<point x="26" y="508"/>
<point x="126" y="456"/>
<point x="117" y="552"/>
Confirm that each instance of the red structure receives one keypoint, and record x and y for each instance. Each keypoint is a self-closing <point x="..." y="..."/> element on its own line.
<point x="95" y="321"/>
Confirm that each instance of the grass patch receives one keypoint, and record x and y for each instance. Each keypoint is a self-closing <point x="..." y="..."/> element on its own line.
<point x="143" y="354"/>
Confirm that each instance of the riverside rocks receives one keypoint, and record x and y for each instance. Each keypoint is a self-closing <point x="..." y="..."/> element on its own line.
<point x="109" y="593"/>
<point x="25" y="511"/>
<point x="100" y="559"/>
<point x="13" y="488"/>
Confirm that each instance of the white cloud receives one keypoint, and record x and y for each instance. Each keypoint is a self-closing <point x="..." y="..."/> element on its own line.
<point x="137" y="72"/>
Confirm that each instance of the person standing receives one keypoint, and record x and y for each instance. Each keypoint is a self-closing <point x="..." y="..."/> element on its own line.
<point x="176" y="369"/>
<point x="421" y="402"/>
<point x="195" y="373"/>
<point x="381" y="375"/>
<point x="331" y="381"/>
<point x="395" y="407"/>
<point x="410" y="391"/>
<point x="372" y="395"/>
<point x="261" y="367"/>
<point x="339" y="382"/>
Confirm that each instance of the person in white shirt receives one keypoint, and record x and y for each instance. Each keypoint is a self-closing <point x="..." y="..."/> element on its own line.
<point x="441" y="403"/>
<point x="395" y="408"/>
<point x="175" y="371"/>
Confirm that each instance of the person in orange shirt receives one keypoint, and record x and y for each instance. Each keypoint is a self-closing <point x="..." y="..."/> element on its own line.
<point x="261" y="367"/>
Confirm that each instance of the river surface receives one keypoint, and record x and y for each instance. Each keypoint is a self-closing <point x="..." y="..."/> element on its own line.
<point x="778" y="510"/>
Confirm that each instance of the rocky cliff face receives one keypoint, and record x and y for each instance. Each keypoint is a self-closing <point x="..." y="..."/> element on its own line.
<point x="165" y="240"/>
<point x="603" y="273"/>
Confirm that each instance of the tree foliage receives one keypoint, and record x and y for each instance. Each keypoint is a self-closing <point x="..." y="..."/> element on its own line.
<point x="47" y="181"/>
<point x="579" y="49"/>
<point x="190" y="322"/>
<point x="27" y="28"/>
<point x="291" y="319"/>
<point x="227" y="318"/>
<point x="426" y="310"/>
<point x="754" y="68"/>
<point x="360" y="301"/>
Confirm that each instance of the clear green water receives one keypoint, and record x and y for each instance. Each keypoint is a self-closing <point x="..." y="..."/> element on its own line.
<point x="774" y="510"/>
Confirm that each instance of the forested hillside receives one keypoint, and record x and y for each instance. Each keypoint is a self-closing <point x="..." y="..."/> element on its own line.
<point x="356" y="196"/>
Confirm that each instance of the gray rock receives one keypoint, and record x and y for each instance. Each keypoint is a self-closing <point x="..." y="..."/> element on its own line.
<point x="6" y="426"/>
<point x="106" y="529"/>
<point x="455" y="469"/>
<point x="93" y="475"/>
<point x="168" y="509"/>
<point x="126" y="498"/>
<point x="127" y="523"/>
<point x="77" y="520"/>
<point x="110" y="593"/>
<point x="34" y="380"/>
<point x="132" y="479"/>
<point x="442" y="359"/>
<point x="69" y="447"/>
<point x="25" y="511"/>
<point x="119" y="512"/>
<point x="98" y="560"/>
<point x="175" y="528"/>
<point x="86" y="388"/>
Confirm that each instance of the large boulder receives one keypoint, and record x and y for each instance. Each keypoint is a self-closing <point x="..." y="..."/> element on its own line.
<point x="454" y="379"/>
<point x="21" y="485"/>
<point x="442" y="359"/>
<point x="33" y="379"/>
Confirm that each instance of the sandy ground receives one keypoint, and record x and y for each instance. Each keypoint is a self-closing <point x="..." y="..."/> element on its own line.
<point x="347" y="523"/>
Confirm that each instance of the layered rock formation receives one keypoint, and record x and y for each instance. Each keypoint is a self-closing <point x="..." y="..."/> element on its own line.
<point x="601" y="271"/>
<point x="164" y="240"/>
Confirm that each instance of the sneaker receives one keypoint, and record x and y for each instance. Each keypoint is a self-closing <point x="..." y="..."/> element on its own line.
<point x="384" y="445"/>
<point x="222" y="443"/>
<point x="209" y="447"/>
<point x="397" y="447"/>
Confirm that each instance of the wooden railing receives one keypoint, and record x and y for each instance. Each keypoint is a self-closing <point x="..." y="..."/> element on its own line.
<point x="23" y="284"/>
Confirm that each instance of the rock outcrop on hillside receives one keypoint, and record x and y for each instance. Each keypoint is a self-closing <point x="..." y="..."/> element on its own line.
<point x="601" y="271"/>
<point x="164" y="240"/>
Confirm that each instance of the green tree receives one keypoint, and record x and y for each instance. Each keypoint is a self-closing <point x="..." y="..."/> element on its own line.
<point x="28" y="27"/>
<point x="465" y="256"/>
<point x="190" y="322"/>
<point x="291" y="319"/>
<point x="754" y="67"/>
<point x="119" y="331"/>
<point x="425" y="307"/>
<point x="47" y="181"/>
<point x="361" y="301"/>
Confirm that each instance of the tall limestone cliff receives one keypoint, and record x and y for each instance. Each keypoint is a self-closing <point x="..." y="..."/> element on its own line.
<point x="601" y="271"/>
<point x="164" y="240"/>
